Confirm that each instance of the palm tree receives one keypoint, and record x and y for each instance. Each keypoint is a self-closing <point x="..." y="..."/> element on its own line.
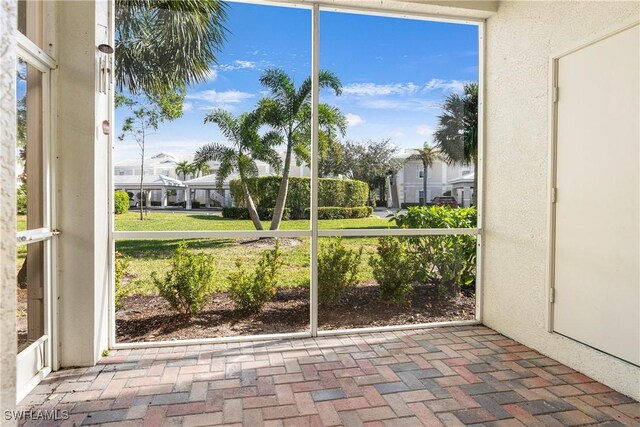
<point x="164" y="45"/>
<point x="288" y="112"/>
<point x="183" y="168"/>
<point x="247" y="147"/>
<point x="200" y="167"/>
<point x="457" y="132"/>
<point x="427" y="155"/>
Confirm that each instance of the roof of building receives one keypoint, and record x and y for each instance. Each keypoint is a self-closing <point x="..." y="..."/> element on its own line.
<point x="149" y="181"/>
<point x="466" y="178"/>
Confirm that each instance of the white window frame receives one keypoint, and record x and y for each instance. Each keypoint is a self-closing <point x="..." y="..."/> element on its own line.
<point x="314" y="233"/>
<point x="46" y="345"/>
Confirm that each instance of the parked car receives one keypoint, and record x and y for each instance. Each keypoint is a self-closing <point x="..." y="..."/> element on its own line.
<point x="445" y="201"/>
<point x="133" y="203"/>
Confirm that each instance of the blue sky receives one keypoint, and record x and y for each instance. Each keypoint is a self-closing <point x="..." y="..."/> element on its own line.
<point x="395" y="73"/>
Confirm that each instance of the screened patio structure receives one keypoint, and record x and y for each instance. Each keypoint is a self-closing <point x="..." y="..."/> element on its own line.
<point x="553" y="337"/>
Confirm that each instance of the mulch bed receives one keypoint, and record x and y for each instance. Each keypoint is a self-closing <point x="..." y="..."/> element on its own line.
<point x="149" y="318"/>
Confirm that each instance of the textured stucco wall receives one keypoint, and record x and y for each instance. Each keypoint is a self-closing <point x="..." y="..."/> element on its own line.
<point x="8" y="205"/>
<point x="520" y="39"/>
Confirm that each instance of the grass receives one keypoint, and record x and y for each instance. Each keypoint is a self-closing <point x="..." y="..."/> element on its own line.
<point x="148" y="255"/>
<point x="176" y="221"/>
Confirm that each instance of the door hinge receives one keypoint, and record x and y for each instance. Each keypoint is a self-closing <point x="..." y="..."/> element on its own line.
<point x="552" y="295"/>
<point x="554" y="195"/>
<point x="555" y="93"/>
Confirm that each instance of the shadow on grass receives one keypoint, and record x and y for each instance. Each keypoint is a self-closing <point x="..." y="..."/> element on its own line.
<point x="165" y="248"/>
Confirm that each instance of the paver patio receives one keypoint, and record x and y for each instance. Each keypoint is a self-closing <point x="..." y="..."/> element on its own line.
<point x="440" y="376"/>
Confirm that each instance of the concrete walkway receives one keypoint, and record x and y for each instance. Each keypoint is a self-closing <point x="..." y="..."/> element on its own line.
<point x="442" y="376"/>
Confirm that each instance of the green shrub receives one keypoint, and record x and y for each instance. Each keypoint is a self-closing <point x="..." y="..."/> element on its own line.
<point x="21" y="202"/>
<point x="121" y="266"/>
<point x="331" y="192"/>
<point x="189" y="281"/>
<point x="334" y="212"/>
<point x="120" y="202"/>
<point x="337" y="270"/>
<point x="251" y="291"/>
<point x="393" y="269"/>
<point x="449" y="262"/>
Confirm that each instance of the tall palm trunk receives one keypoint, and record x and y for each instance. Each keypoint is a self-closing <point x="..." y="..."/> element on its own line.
<point x="278" y="210"/>
<point x="425" y="179"/>
<point x="251" y="207"/>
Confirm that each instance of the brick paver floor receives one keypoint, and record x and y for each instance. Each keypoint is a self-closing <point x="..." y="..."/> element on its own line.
<point x="441" y="376"/>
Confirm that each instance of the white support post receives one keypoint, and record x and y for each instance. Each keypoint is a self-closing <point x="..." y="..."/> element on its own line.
<point x="315" y="93"/>
<point x="163" y="201"/>
<point x="187" y="194"/>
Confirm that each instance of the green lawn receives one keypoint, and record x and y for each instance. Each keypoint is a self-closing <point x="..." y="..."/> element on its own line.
<point x="147" y="256"/>
<point x="168" y="221"/>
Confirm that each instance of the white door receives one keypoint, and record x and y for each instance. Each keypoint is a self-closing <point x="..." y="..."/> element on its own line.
<point x="34" y="314"/>
<point x="597" y="234"/>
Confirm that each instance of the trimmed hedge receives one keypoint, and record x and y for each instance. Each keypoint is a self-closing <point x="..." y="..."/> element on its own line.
<point x="233" y="212"/>
<point x="120" y="202"/>
<point x="338" y="212"/>
<point x="331" y="192"/>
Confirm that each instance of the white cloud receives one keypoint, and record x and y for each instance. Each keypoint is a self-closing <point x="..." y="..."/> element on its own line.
<point x="238" y="65"/>
<point x="354" y="119"/>
<point x="187" y="106"/>
<point x="448" y="85"/>
<point x="212" y="75"/>
<point x="411" y="104"/>
<point x="373" y="89"/>
<point x="216" y="99"/>
<point x="424" y="130"/>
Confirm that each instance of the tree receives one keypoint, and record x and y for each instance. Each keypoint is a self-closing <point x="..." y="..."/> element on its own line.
<point x="457" y="133"/>
<point x="371" y="162"/>
<point x="183" y="168"/>
<point x="143" y="122"/>
<point x="427" y="155"/>
<point x="162" y="46"/>
<point x="288" y="112"/>
<point x="200" y="166"/>
<point x="247" y="146"/>
<point x="331" y="123"/>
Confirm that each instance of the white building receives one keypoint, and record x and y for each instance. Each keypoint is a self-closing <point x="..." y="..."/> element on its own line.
<point x="406" y="186"/>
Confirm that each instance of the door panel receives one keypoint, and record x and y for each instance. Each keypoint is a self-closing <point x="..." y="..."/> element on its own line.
<point x="597" y="279"/>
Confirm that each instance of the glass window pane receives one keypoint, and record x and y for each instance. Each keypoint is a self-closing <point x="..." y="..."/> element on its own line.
<point x="30" y="293"/>
<point x="394" y="94"/>
<point x="181" y="193"/>
<point x="29" y="147"/>
<point x="240" y="278"/>
<point x="365" y="282"/>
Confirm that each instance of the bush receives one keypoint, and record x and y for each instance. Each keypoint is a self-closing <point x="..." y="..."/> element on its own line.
<point x="188" y="282"/>
<point x="154" y="203"/>
<point x="121" y="266"/>
<point x="333" y="212"/>
<point x="393" y="269"/>
<point x="337" y="270"/>
<point x="250" y="292"/>
<point x="21" y="202"/>
<point x="120" y="202"/>
<point x="331" y="192"/>
<point x="233" y="212"/>
<point x="449" y="262"/>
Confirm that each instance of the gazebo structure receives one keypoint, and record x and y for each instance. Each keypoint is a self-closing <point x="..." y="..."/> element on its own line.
<point x="152" y="185"/>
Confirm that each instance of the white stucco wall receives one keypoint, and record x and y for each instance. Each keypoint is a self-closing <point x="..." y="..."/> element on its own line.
<point x="520" y="39"/>
<point x="7" y="207"/>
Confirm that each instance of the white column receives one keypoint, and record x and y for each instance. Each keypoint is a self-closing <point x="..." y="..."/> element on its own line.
<point x="227" y="197"/>
<point x="207" y="202"/>
<point x="188" y="193"/>
<point x="163" y="201"/>
<point x="8" y="205"/>
<point x="83" y="151"/>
